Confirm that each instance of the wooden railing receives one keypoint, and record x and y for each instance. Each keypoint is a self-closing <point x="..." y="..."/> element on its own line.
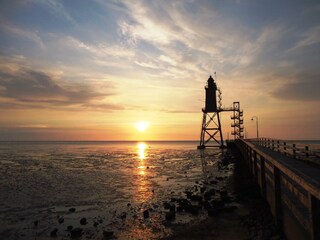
<point x="293" y="196"/>
<point x="290" y="148"/>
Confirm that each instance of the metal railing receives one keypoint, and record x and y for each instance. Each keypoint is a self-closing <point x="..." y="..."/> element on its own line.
<point x="290" y="148"/>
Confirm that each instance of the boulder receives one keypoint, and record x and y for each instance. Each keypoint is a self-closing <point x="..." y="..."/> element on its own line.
<point x="76" y="232"/>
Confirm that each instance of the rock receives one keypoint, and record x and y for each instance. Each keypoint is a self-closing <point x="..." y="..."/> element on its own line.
<point x="100" y="221"/>
<point x="209" y="194"/>
<point x="188" y="194"/>
<point x="123" y="215"/>
<point x="166" y="205"/>
<point x="76" y="232"/>
<point x="196" y="198"/>
<point x="95" y="224"/>
<point x="145" y="214"/>
<point x="129" y="204"/>
<point x="107" y="234"/>
<point x="173" y="199"/>
<point x="212" y="211"/>
<point x="53" y="233"/>
<point x="179" y="209"/>
<point x="60" y="220"/>
<point x="72" y="209"/>
<point x="228" y="209"/>
<point x="69" y="228"/>
<point x="172" y="208"/>
<point x="194" y="210"/>
<point x="83" y="221"/>
<point x="170" y="216"/>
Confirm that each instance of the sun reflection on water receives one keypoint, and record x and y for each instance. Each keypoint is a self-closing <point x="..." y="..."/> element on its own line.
<point x="144" y="192"/>
<point x="141" y="150"/>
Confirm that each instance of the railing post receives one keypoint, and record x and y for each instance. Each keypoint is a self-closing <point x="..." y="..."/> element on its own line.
<point x="263" y="177"/>
<point x="314" y="206"/>
<point x="272" y="145"/>
<point x="285" y="148"/>
<point x="307" y="151"/>
<point x="294" y="150"/>
<point x="277" y="196"/>
<point x="255" y="167"/>
<point x="278" y="146"/>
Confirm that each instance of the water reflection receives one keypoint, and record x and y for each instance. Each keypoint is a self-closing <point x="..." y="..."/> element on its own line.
<point x="144" y="191"/>
<point x="142" y="150"/>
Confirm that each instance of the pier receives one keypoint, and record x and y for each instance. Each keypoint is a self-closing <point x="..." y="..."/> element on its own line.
<point x="289" y="180"/>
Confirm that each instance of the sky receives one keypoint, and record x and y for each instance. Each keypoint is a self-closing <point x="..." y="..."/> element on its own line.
<point x="91" y="70"/>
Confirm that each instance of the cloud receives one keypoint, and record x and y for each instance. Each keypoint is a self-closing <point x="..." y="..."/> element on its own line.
<point x="311" y="36"/>
<point x="100" y="50"/>
<point x="57" y="8"/>
<point x="302" y="87"/>
<point x="32" y="36"/>
<point x="26" y="88"/>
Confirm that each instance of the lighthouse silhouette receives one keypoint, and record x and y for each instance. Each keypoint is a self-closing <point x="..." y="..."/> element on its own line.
<point x="211" y="134"/>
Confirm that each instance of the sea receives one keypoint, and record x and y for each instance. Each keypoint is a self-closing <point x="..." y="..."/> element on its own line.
<point x="51" y="186"/>
<point x="104" y="189"/>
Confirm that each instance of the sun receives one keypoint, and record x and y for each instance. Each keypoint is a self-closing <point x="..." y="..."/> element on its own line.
<point x="142" y="126"/>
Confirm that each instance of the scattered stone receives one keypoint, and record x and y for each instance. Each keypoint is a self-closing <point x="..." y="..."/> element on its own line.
<point x="172" y="208"/>
<point x="166" y="205"/>
<point x="213" y="182"/>
<point x="170" y="216"/>
<point x="196" y="198"/>
<point x="107" y="234"/>
<point x="212" y="212"/>
<point x="202" y="189"/>
<point x="61" y="220"/>
<point x="76" y="232"/>
<point x="95" y="224"/>
<point x="188" y="194"/>
<point x="129" y="204"/>
<point x="228" y="209"/>
<point x="100" y="221"/>
<point x="145" y="214"/>
<point x="83" y="221"/>
<point x="69" y="228"/>
<point x="53" y="233"/>
<point x="209" y="194"/>
<point x="123" y="215"/>
<point x="72" y="209"/>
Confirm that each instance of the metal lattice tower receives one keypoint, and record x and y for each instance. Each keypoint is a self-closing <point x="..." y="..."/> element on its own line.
<point x="211" y="133"/>
<point x="211" y="126"/>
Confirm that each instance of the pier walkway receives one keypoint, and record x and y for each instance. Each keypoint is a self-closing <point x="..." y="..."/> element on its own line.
<point x="290" y="184"/>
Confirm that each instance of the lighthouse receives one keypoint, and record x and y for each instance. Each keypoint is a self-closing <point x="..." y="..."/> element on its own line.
<point x="211" y="134"/>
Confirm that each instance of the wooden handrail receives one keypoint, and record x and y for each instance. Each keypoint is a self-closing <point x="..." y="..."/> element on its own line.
<point x="291" y="149"/>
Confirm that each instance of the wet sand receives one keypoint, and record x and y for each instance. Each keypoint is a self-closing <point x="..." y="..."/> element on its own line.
<point x="149" y="194"/>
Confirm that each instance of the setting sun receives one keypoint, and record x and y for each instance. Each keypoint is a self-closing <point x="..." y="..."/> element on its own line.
<point x="142" y="126"/>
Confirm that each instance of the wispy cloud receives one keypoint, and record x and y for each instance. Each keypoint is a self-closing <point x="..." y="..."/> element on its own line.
<point x="57" y="8"/>
<point x="27" y="88"/>
<point x="32" y="36"/>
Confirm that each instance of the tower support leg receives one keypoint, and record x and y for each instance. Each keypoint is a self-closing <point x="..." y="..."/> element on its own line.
<point x="210" y="130"/>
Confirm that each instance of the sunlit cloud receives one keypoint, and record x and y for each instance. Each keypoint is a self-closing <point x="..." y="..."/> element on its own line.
<point x="117" y="60"/>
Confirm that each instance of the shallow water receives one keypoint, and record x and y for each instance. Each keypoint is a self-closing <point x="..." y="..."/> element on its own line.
<point x="111" y="184"/>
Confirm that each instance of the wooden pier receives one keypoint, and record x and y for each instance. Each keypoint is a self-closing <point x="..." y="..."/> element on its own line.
<point x="289" y="180"/>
